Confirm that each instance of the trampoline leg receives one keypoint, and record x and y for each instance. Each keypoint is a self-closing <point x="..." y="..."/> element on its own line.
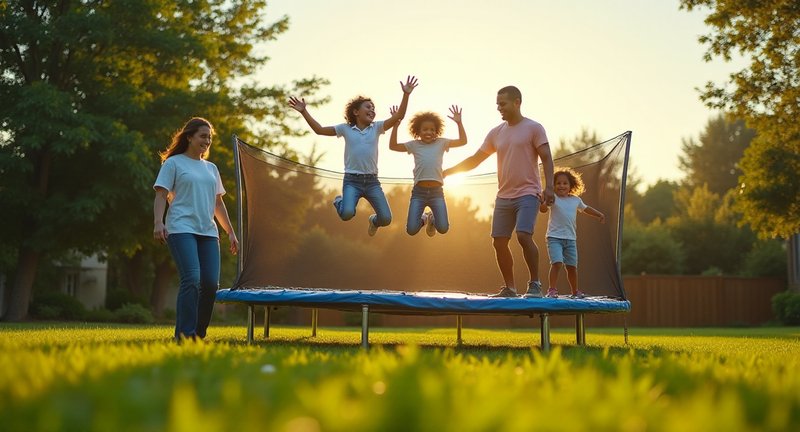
<point x="459" y="322"/>
<point x="266" y="322"/>
<point x="314" y="319"/>
<point x="580" y="330"/>
<point x="365" y="326"/>
<point x="545" y="332"/>
<point x="251" y="320"/>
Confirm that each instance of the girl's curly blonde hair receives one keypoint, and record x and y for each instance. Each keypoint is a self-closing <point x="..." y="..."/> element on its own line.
<point x="576" y="186"/>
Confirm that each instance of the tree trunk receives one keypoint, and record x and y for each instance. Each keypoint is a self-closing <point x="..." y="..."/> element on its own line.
<point x="165" y="274"/>
<point x="793" y="254"/>
<point x="133" y="271"/>
<point x="21" y="291"/>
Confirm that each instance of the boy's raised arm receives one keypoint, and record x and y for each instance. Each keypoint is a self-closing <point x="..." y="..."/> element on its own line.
<point x="299" y="105"/>
<point x="408" y="87"/>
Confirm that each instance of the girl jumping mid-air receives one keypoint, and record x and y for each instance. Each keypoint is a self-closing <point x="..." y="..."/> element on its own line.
<point x="428" y="149"/>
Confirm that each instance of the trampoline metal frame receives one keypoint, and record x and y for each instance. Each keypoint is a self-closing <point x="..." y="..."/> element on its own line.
<point x="544" y="330"/>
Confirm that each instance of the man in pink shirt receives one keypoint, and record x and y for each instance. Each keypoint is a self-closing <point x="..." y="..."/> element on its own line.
<point x="519" y="143"/>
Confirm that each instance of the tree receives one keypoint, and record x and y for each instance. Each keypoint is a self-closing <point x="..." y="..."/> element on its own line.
<point x="91" y="90"/>
<point x="709" y="232"/>
<point x="766" y="94"/>
<point x="714" y="160"/>
<point x="651" y="249"/>
<point x="657" y="202"/>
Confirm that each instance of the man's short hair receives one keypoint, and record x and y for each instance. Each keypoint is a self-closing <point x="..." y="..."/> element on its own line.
<point x="512" y="92"/>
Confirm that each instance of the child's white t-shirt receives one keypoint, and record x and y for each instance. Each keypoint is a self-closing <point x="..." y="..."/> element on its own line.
<point x="428" y="158"/>
<point x="360" y="147"/>
<point x="563" y="217"/>
<point x="192" y="186"/>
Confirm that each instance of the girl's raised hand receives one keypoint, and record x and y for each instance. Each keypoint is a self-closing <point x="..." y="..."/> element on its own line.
<point x="456" y="114"/>
<point x="297" y="104"/>
<point x="411" y="83"/>
<point x="393" y="109"/>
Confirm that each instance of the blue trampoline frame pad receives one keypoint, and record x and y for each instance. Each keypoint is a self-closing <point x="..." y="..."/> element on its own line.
<point x="421" y="303"/>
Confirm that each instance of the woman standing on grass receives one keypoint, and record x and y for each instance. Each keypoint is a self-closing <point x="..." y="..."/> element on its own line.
<point x="193" y="188"/>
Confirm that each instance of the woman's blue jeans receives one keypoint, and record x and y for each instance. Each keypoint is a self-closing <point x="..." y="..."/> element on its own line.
<point x="197" y="259"/>
<point x="422" y="197"/>
<point x="357" y="186"/>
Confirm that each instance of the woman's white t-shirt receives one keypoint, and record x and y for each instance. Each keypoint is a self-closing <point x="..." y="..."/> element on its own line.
<point x="192" y="186"/>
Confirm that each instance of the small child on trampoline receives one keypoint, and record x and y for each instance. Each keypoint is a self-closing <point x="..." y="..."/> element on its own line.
<point x="360" y="153"/>
<point x="428" y="149"/>
<point x="561" y="229"/>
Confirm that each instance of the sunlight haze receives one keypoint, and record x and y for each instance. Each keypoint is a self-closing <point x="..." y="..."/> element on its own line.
<point x="607" y="66"/>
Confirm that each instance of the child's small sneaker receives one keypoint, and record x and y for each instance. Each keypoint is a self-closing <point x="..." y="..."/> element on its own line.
<point x="372" y="227"/>
<point x="534" y="290"/>
<point x="430" y="228"/>
<point x="337" y="202"/>
<point x="579" y="295"/>
<point x="552" y="293"/>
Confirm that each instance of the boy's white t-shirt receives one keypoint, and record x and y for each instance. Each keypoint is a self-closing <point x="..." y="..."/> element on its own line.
<point x="428" y="158"/>
<point x="563" y="217"/>
<point x="360" y="147"/>
<point x="192" y="186"/>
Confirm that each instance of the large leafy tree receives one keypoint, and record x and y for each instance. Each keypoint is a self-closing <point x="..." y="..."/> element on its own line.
<point x="766" y="94"/>
<point x="713" y="160"/>
<point x="90" y="90"/>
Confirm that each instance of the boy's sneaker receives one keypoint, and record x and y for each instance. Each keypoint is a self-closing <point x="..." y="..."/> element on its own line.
<point x="534" y="290"/>
<point x="372" y="227"/>
<point x="552" y="293"/>
<point x="337" y="202"/>
<point x="430" y="228"/>
<point x="579" y="295"/>
<point x="505" y="292"/>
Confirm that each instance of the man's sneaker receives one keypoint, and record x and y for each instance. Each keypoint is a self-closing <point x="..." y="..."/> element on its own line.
<point x="534" y="290"/>
<point x="552" y="293"/>
<point x="430" y="228"/>
<point x="505" y="292"/>
<point x="337" y="202"/>
<point x="579" y="295"/>
<point x="372" y="227"/>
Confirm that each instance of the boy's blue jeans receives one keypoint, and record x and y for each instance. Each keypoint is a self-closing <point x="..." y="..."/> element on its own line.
<point x="197" y="259"/>
<point x="357" y="186"/>
<point x="422" y="197"/>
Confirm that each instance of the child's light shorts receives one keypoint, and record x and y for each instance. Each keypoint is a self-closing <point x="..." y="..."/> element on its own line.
<point x="562" y="251"/>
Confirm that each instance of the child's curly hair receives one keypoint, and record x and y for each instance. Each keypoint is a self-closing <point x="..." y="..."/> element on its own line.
<point x="421" y="117"/>
<point x="354" y="105"/>
<point x="576" y="186"/>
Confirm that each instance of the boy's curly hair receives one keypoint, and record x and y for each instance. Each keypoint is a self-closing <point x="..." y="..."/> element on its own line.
<point x="576" y="186"/>
<point x="353" y="105"/>
<point x="416" y="123"/>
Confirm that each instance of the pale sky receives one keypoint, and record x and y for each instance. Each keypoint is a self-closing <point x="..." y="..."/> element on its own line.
<point x="609" y="66"/>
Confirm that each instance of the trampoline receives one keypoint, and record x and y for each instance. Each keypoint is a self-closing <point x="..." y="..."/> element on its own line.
<point x="267" y="277"/>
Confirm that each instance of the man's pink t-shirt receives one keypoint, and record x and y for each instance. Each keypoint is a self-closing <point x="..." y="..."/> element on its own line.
<point x="517" y="158"/>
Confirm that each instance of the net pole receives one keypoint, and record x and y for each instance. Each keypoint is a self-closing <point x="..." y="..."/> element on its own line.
<point x="622" y="212"/>
<point x="237" y="166"/>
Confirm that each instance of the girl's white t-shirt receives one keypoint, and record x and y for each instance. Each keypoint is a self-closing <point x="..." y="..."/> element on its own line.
<point x="428" y="158"/>
<point x="192" y="186"/>
<point x="563" y="217"/>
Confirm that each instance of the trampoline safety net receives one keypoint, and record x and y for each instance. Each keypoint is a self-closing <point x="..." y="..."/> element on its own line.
<point x="293" y="237"/>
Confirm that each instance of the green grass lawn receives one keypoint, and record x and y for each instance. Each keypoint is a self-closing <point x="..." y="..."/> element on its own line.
<point x="126" y="378"/>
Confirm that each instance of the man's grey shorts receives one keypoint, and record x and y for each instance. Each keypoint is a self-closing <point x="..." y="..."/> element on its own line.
<point x="514" y="214"/>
